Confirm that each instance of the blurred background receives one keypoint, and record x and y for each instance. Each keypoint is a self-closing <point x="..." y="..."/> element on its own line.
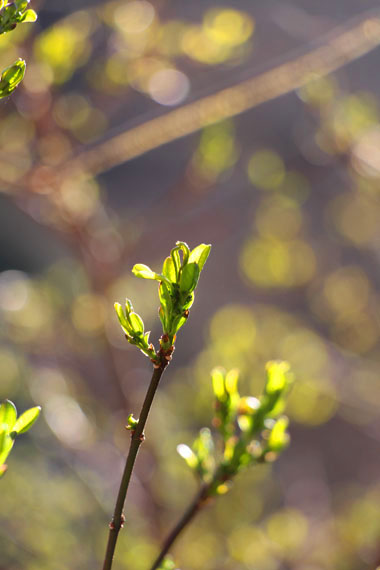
<point x="288" y="194"/>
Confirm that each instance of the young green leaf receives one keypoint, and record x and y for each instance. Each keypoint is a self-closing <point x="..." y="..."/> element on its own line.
<point x="145" y="272"/>
<point x="136" y="323"/>
<point x="279" y="438"/>
<point x="199" y="255"/>
<point x="29" y="16"/>
<point x="11" y="77"/>
<point x="26" y="420"/>
<point x="278" y="377"/>
<point x="8" y="415"/>
<point x="189" y="277"/>
<point x="169" y="270"/>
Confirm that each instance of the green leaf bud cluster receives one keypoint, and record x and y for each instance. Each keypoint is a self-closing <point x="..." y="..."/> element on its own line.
<point x="177" y="282"/>
<point x="11" y="14"/>
<point x="252" y="430"/>
<point x="12" y="426"/>
<point x="133" y="327"/>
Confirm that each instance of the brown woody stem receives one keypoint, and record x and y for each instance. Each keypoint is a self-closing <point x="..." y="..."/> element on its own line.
<point x="136" y="440"/>
<point x="194" y="507"/>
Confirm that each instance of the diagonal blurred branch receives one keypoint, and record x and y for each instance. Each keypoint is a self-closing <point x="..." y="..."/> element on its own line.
<point x="338" y="48"/>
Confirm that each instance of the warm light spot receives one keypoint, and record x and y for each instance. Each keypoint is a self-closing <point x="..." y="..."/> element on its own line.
<point x="10" y="371"/>
<point x="134" y="17"/>
<point x="65" y="46"/>
<point x="78" y="198"/>
<point x="312" y="402"/>
<point x="356" y="217"/>
<point x="347" y="291"/>
<point x="278" y="218"/>
<point x="250" y="546"/>
<point x="318" y="91"/>
<point x="274" y="263"/>
<point x="228" y="27"/>
<point x="287" y="530"/>
<point x="233" y="327"/>
<point x="266" y="170"/>
<point x="168" y="86"/>
<point x="14" y="290"/>
<point x="89" y="313"/>
<point x="67" y="420"/>
<point x="199" y="46"/>
<point x="365" y="156"/>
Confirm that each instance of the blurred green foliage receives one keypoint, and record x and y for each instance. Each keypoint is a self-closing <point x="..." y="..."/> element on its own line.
<point x="290" y="198"/>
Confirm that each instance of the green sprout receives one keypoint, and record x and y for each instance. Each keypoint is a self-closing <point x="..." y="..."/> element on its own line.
<point x="253" y="430"/>
<point x="177" y="282"/>
<point x="12" y="14"/>
<point x="12" y="426"/>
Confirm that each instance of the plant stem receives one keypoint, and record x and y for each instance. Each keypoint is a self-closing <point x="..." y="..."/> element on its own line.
<point x="136" y="440"/>
<point x="194" y="507"/>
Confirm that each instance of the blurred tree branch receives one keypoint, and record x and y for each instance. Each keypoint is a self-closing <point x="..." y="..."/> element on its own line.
<point x="336" y="49"/>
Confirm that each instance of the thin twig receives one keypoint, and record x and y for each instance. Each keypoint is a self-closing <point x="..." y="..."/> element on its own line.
<point x="136" y="440"/>
<point x="187" y="517"/>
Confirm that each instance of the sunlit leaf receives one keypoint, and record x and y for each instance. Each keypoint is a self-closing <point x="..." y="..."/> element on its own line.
<point x="199" y="255"/>
<point x="26" y="420"/>
<point x="136" y="323"/>
<point x="169" y="270"/>
<point x="8" y="415"/>
<point x="189" y="277"/>
<point x="29" y="16"/>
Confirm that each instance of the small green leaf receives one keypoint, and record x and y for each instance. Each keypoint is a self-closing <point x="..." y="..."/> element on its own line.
<point x="177" y="323"/>
<point x="176" y="260"/>
<point x="131" y="422"/>
<point x="26" y="420"/>
<point x="278" y="376"/>
<point x="169" y="270"/>
<point x="120" y="314"/>
<point x="143" y="271"/>
<point x="11" y="77"/>
<point x="189" y="277"/>
<point x="136" y="323"/>
<point x="182" y="245"/>
<point x="217" y="375"/>
<point x="29" y="16"/>
<point x="278" y="438"/>
<point x="199" y="255"/>
<point x="165" y="298"/>
<point x="8" y="414"/>
<point x="6" y="444"/>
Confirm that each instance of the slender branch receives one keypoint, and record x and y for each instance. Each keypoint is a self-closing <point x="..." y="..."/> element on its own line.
<point x="194" y="507"/>
<point x="136" y="440"/>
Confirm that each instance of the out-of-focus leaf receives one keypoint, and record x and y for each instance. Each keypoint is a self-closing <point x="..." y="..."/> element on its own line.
<point x="217" y="375"/>
<point x="279" y="438"/>
<point x="188" y="455"/>
<point x="278" y="377"/>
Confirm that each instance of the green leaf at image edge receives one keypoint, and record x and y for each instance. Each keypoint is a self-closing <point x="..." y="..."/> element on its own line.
<point x="8" y="415"/>
<point x="26" y="420"/>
